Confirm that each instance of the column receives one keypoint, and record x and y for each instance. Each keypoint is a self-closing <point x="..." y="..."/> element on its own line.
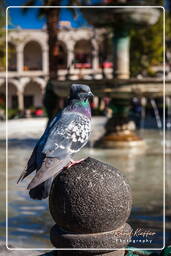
<point x="20" y="99"/>
<point x="70" y="60"/>
<point x="121" y="55"/>
<point x="95" y="62"/>
<point x="45" y="61"/>
<point x="20" y="60"/>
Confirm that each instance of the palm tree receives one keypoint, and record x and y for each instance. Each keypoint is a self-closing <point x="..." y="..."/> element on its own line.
<point x="51" y="100"/>
<point x="52" y="18"/>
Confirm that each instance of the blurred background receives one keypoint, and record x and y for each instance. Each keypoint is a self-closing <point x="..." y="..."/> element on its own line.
<point x="119" y="53"/>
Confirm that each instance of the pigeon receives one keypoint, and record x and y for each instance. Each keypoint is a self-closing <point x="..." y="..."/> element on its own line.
<point x="66" y="134"/>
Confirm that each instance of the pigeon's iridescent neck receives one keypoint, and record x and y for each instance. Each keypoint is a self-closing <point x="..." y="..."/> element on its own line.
<point x="81" y="106"/>
<point x="84" y="103"/>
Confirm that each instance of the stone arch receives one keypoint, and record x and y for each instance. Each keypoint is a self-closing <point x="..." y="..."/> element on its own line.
<point x="12" y="95"/>
<point x="83" y="54"/>
<point x="15" y="82"/>
<point x="33" y="94"/>
<point x="12" y="57"/>
<point x="32" y="55"/>
<point x="40" y="81"/>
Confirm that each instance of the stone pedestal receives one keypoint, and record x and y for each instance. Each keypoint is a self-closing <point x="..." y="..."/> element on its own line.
<point x="90" y="203"/>
<point x="120" y="131"/>
<point x="120" y="134"/>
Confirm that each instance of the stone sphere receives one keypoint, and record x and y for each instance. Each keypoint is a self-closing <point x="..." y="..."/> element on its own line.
<point x="90" y="197"/>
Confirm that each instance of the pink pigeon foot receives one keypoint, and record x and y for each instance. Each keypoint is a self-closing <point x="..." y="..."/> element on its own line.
<point x="72" y="162"/>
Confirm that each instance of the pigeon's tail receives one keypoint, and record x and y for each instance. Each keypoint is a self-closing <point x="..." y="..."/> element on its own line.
<point x="31" y="166"/>
<point x="50" y="167"/>
<point x="41" y="191"/>
<point x="26" y="172"/>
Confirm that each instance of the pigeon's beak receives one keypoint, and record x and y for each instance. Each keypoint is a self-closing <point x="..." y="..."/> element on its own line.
<point x="90" y="94"/>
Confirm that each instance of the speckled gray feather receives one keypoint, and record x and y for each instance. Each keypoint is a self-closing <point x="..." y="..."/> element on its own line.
<point x="67" y="137"/>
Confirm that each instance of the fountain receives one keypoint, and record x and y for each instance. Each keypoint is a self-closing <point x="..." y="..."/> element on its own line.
<point x="119" y="130"/>
<point x="121" y="88"/>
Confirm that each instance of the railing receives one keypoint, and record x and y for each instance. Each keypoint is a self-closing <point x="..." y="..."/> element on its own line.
<point x="77" y="71"/>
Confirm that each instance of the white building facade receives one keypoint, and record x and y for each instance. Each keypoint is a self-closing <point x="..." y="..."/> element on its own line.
<point x="78" y="56"/>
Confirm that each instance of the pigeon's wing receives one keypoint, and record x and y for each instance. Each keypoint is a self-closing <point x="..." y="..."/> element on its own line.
<point x="50" y="167"/>
<point x="68" y="135"/>
<point x="31" y="165"/>
<point x="36" y="158"/>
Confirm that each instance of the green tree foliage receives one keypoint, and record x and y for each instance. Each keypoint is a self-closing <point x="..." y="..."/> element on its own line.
<point x="168" y="36"/>
<point x="146" y="48"/>
<point x="168" y="26"/>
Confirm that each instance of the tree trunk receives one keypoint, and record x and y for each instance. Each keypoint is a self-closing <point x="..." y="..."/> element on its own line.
<point x="51" y="100"/>
<point x="52" y="19"/>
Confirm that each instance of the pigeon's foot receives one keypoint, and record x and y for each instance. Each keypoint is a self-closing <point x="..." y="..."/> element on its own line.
<point x="73" y="162"/>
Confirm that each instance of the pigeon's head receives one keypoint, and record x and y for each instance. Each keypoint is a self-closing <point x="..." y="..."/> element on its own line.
<point x="80" y="92"/>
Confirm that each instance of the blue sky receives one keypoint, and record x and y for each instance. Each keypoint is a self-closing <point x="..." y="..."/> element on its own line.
<point x="30" y="20"/>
